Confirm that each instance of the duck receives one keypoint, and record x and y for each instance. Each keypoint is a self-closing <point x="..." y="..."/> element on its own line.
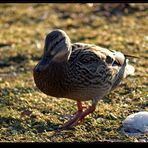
<point x="79" y="71"/>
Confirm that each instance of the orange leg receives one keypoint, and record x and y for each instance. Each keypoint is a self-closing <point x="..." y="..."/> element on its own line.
<point x="75" y="118"/>
<point x="80" y="115"/>
<point x="84" y="114"/>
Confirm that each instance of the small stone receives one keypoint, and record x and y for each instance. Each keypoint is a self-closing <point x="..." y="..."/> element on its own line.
<point x="100" y="119"/>
<point x="136" y="124"/>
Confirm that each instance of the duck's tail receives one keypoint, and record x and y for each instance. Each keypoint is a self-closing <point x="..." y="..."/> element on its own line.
<point x="129" y="69"/>
<point x="124" y="70"/>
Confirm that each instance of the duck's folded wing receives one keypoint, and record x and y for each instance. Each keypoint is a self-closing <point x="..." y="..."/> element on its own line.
<point x="103" y="53"/>
<point x="114" y="61"/>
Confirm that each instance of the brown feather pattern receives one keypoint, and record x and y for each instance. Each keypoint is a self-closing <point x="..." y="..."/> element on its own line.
<point x="78" y="71"/>
<point x="87" y="74"/>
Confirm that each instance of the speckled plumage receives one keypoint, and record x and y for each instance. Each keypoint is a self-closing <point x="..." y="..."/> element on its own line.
<point x="78" y="71"/>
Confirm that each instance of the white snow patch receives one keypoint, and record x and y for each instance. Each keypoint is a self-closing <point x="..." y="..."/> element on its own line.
<point x="136" y="124"/>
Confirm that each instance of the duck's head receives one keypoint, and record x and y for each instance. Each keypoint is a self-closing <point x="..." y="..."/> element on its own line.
<point x="57" y="48"/>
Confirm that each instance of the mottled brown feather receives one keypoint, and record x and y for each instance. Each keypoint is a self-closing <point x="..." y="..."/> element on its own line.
<point x="78" y="71"/>
<point x="89" y="73"/>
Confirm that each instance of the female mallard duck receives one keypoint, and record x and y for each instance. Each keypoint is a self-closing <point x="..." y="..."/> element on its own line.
<point x="78" y="71"/>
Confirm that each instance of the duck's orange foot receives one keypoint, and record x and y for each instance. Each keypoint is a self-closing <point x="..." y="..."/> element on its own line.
<point x="73" y="120"/>
<point x="78" y="117"/>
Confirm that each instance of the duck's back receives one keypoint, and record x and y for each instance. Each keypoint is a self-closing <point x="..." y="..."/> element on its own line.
<point x="94" y="71"/>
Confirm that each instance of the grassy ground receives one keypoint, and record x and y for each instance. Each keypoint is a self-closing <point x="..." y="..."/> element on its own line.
<point x="26" y="114"/>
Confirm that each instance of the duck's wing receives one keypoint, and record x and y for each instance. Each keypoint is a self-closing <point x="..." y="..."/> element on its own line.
<point x="115" y="62"/>
<point x="107" y="55"/>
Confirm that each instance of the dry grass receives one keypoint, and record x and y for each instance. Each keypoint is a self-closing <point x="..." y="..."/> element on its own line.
<point x="26" y="114"/>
